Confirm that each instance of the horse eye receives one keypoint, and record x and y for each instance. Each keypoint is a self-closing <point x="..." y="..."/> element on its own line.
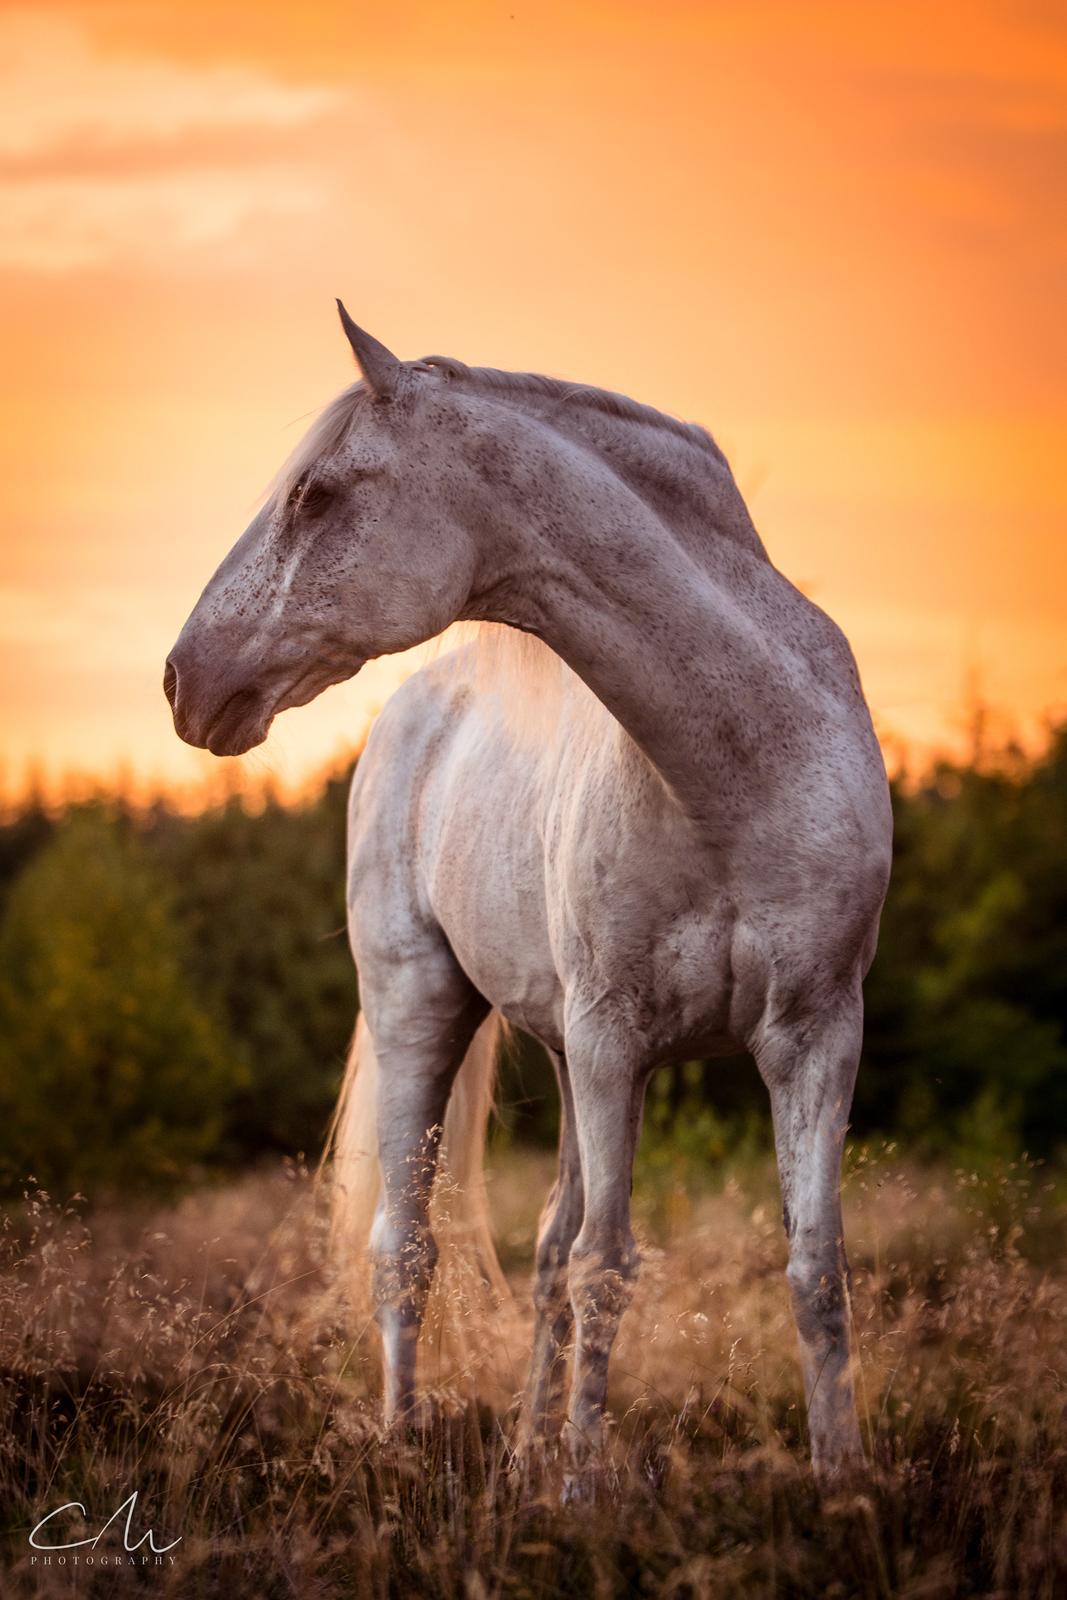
<point x="308" y="497"/>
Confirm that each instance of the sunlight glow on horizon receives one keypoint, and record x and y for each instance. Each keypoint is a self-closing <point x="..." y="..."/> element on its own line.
<point x="836" y="236"/>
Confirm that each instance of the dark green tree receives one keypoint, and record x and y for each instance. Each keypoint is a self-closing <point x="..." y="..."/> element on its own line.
<point x="114" y="1075"/>
<point x="966" y="1036"/>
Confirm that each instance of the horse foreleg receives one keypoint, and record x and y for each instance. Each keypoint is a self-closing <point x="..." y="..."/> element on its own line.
<point x="810" y="1075"/>
<point x="604" y="1260"/>
<point x="420" y="1037"/>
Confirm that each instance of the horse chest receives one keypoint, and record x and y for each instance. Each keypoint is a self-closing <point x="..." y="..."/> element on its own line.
<point x="647" y="944"/>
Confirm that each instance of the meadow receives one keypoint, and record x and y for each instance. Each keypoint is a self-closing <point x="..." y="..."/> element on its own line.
<point x="199" y="1352"/>
<point x="176" y="998"/>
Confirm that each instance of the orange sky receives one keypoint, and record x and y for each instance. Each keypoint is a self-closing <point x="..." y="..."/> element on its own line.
<point x="834" y="233"/>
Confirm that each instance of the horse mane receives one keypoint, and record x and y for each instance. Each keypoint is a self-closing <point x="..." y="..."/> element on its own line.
<point x="518" y="676"/>
<point x="581" y="395"/>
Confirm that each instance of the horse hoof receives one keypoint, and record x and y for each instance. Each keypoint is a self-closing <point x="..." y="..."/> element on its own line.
<point x="592" y="1483"/>
<point x="580" y="1487"/>
<point x="412" y="1425"/>
<point x="584" y="1478"/>
<point x="847" y="1470"/>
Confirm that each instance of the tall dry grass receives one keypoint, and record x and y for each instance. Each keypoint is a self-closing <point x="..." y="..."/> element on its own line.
<point x="199" y="1357"/>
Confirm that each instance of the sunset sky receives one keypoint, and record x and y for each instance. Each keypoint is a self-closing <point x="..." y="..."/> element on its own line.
<point x="833" y="233"/>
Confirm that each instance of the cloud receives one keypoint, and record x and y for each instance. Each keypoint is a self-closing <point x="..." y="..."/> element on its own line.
<point x="57" y="86"/>
<point x="67" y="224"/>
<point x="68" y="109"/>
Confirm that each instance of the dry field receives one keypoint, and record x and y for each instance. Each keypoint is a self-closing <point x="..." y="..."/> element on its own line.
<point x="195" y="1355"/>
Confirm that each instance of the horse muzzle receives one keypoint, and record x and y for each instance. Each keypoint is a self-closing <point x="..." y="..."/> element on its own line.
<point x="223" y="718"/>
<point x="229" y="719"/>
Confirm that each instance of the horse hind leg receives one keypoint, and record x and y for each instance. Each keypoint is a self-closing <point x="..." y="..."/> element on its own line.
<point x="554" y="1319"/>
<point x="810" y="1073"/>
<point x="422" y="1020"/>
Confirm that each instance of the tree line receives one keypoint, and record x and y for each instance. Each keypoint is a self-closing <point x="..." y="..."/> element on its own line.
<point x="177" y="995"/>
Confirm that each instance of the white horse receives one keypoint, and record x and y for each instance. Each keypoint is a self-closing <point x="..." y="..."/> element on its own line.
<point x="652" y="824"/>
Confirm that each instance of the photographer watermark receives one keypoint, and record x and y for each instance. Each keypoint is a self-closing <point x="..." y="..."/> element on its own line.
<point x="52" y="1550"/>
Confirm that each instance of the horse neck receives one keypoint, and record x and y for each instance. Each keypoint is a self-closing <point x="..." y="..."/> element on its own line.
<point x="664" y="628"/>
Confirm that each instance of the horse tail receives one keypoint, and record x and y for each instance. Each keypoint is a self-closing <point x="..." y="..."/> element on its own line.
<point x="351" y="1151"/>
<point x="468" y="1278"/>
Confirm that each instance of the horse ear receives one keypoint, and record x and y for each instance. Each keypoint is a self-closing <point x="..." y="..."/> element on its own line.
<point x="379" y="367"/>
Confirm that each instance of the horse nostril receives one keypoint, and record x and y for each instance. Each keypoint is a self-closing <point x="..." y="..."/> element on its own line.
<point x="170" y="681"/>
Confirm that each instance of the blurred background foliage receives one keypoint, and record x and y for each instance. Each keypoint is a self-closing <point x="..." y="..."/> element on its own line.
<point x="176" y="992"/>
